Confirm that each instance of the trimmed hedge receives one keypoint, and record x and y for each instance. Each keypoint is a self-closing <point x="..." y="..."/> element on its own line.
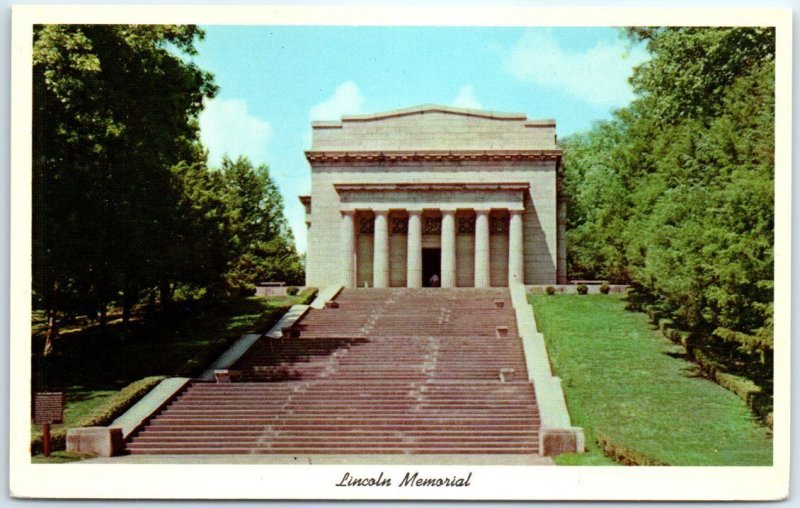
<point x="605" y="288"/>
<point x="582" y="289"/>
<point x="747" y="390"/>
<point x="550" y="290"/>
<point x="741" y="386"/>
<point x="623" y="454"/>
<point x="308" y="295"/>
<point x="103" y="415"/>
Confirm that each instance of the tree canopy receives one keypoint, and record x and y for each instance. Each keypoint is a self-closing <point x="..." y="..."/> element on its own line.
<point x="123" y="199"/>
<point x="675" y="194"/>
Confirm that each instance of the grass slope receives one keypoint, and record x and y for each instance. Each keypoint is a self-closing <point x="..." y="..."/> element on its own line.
<point x="624" y="381"/>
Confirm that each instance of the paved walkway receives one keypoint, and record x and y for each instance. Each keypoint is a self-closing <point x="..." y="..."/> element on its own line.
<point x="398" y="459"/>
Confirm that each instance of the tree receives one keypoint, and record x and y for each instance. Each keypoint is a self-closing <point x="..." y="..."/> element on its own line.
<point x="263" y="246"/>
<point x="675" y="194"/>
<point x="114" y="110"/>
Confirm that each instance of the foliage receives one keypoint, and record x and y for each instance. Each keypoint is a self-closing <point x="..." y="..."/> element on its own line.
<point x="550" y="290"/>
<point x="124" y="203"/>
<point x="629" y="387"/>
<point x="115" y="108"/>
<point x="675" y="194"/>
<point x="263" y="245"/>
<point x="582" y="289"/>
<point x="605" y="288"/>
<point x="292" y="290"/>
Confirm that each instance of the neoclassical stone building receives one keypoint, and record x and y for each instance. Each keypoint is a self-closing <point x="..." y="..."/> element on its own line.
<point x="471" y="197"/>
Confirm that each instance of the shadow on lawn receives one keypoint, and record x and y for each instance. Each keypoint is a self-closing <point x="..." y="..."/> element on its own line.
<point x="110" y="357"/>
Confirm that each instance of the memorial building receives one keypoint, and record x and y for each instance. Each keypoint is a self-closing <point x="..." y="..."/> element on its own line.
<point x="435" y="196"/>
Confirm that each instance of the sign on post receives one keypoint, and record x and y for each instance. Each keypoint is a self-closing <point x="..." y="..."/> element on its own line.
<point x="48" y="409"/>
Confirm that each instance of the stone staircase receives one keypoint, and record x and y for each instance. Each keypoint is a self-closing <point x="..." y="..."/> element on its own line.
<point x="381" y="371"/>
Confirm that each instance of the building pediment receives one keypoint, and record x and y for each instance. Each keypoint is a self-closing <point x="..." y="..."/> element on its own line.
<point x="432" y="128"/>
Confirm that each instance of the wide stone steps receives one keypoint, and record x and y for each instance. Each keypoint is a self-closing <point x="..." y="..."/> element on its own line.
<point x="330" y="450"/>
<point x="387" y="371"/>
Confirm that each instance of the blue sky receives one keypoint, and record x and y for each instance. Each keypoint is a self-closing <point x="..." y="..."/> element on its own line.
<point x="274" y="80"/>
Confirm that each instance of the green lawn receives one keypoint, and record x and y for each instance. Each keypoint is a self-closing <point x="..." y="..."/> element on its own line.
<point x="90" y="365"/>
<point x="623" y="380"/>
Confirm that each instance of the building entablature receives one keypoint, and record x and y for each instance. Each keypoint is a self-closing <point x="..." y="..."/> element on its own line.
<point x="432" y="196"/>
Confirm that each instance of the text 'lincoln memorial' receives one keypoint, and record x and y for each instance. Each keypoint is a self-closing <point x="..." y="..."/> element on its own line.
<point x="435" y="196"/>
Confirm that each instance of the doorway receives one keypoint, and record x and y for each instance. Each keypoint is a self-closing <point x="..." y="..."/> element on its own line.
<point x="431" y="265"/>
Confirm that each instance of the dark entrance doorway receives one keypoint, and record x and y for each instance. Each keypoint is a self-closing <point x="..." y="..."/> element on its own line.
<point x="431" y="265"/>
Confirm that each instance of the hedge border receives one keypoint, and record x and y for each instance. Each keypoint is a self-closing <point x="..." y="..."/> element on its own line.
<point x="103" y="414"/>
<point x="746" y="389"/>
<point x="623" y="454"/>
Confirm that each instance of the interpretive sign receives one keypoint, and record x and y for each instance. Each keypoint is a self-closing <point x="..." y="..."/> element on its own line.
<point x="48" y="408"/>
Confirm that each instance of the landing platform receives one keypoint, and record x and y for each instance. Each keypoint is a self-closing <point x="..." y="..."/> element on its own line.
<point x="372" y="459"/>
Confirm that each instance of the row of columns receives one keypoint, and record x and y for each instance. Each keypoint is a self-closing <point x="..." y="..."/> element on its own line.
<point x="380" y="262"/>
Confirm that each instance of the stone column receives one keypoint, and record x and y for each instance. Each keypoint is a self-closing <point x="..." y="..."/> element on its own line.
<point x="414" y="254"/>
<point x="516" y="270"/>
<point x="380" y="260"/>
<point x="482" y="248"/>
<point x="448" y="263"/>
<point x="348" y="248"/>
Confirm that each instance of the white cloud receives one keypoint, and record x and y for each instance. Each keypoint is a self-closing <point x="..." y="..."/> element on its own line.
<point x="466" y="98"/>
<point x="346" y="100"/>
<point x="598" y="75"/>
<point x="226" y="127"/>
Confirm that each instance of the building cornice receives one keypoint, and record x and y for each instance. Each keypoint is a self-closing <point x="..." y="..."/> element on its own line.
<point x="432" y="187"/>
<point x="315" y="156"/>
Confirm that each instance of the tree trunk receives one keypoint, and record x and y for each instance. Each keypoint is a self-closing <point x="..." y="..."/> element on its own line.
<point x="166" y="294"/>
<point x="103" y="315"/>
<point x="127" y="303"/>
<point x="52" y="331"/>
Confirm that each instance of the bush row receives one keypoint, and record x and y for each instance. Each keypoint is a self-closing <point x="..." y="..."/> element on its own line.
<point x="102" y="415"/>
<point x="625" y="455"/>
<point x="581" y="289"/>
<point x="308" y="295"/>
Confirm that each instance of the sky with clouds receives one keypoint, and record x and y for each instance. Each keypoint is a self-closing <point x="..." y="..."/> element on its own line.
<point x="275" y="80"/>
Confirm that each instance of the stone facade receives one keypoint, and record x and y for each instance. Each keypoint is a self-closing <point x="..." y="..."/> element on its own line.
<point x="470" y="196"/>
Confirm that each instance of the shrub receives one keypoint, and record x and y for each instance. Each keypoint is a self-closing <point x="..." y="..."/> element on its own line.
<point x="265" y="321"/>
<point x="625" y="455"/>
<point x="292" y="290"/>
<point x="247" y="290"/>
<point x="582" y="289"/>
<point x="665" y="325"/>
<point x="634" y="299"/>
<point x="308" y="295"/>
<point x="103" y="415"/>
<point x="550" y="290"/>
<point x="605" y="288"/>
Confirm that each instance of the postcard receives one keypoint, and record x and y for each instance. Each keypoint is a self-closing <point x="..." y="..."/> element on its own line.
<point x="400" y="252"/>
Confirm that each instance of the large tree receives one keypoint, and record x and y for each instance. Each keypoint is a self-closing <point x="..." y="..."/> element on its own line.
<point x="115" y="109"/>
